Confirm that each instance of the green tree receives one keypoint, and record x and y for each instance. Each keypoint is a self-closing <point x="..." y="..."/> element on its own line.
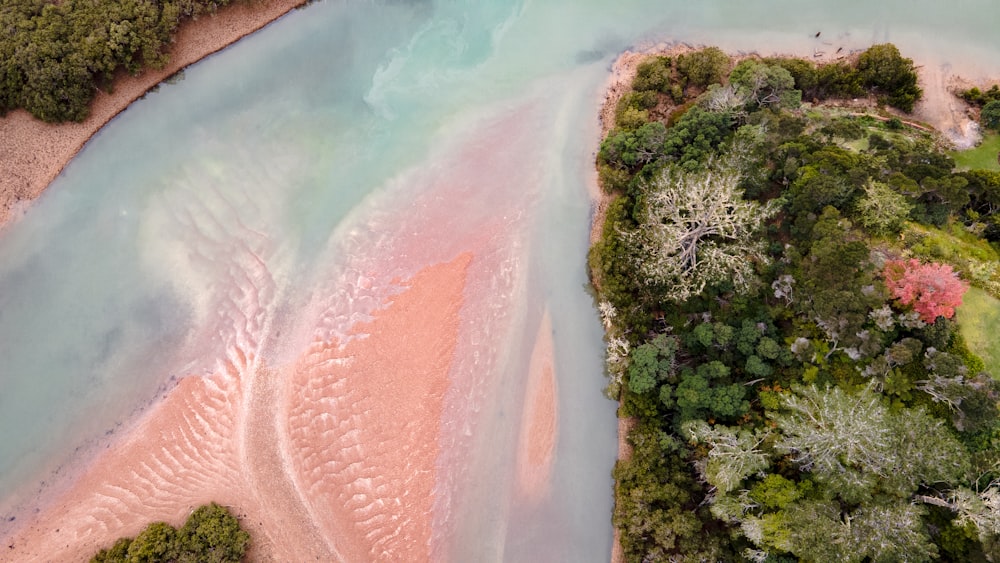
<point x="764" y="84"/>
<point x="212" y="535"/>
<point x="891" y="76"/>
<point x="882" y="210"/>
<point x="704" y="67"/>
<point x="154" y="544"/>
<point x="989" y="116"/>
<point x="653" y="74"/>
<point x="628" y="149"/>
<point x="650" y="363"/>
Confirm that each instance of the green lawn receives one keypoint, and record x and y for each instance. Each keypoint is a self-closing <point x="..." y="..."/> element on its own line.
<point x="979" y="322"/>
<point x="982" y="157"/>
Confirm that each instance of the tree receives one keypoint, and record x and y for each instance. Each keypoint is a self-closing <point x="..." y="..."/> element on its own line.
<point x="697" y="230"/>
<point x="892" y="77"/>
<point x="733" y="454"/>
<point x="934" y="290"/>
<point x="627" y="149"/>
<point x="213" y="535"/>
<point x="989" y="117"/>
<point x="703" y="67"/>
<point x="155" y="543"/>
<point x="653" y="74"/>
<point x="855" y="444"/>
<point x="887" y="531"/>
<point x="650" y="363"/>
<point x="762" y="83"/>
<point x="882" y="210"/>
<point x="210" y="535"/>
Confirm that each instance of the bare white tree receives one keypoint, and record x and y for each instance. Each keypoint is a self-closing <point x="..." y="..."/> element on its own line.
<point x="733" y="456"/>
<point x="697" y="230"/>
<point x="981" y="509"/>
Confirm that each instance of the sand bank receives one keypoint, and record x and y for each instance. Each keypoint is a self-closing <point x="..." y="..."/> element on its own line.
<point x="332" y="458"/>
<point x="346" y="444"/>
<point x="539" y="419"/>
<point x="33" y="153"/>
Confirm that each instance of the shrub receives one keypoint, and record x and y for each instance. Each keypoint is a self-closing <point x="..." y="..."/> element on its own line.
<point x="989" y="117"/>
<point x="210" y="535"/>
<point x="704" y="67"/>
<point x="890" y="76"/>
<point x="653" y="74"/>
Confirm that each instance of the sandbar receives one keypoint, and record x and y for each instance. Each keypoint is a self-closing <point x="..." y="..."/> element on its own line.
<point x="329" y="458"/>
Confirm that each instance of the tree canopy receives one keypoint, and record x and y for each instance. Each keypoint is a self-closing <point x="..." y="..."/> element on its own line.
<point x="697" y="230"/>
<point x="54" y="56"/>
<point x="777" y="285"/>
<point x="210" y="535"/>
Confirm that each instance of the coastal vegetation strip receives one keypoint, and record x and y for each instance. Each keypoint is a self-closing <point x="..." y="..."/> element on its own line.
<point x="55" y="56"/>
<point x="778" y="281"/>
<point x="33" y="152"/>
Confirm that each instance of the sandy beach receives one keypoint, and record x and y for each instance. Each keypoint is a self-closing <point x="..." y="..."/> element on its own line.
<point x="33" y="153"/>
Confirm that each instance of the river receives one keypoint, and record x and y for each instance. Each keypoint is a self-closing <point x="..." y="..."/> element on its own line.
<point x="284" y="177"/>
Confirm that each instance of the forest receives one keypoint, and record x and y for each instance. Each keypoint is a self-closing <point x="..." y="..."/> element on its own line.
<point x="778" y="278"/>
<point x="54" y="56"/>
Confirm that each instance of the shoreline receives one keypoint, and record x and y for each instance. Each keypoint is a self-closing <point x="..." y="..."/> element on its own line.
<point x="945" y="112"/>
<point x="34" y="153"/>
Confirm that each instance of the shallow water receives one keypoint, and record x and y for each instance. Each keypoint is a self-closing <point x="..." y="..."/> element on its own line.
<point x="212" y="214"/>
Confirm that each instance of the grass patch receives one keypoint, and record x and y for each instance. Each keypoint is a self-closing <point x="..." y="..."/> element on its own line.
<point x="983" y="157"/>
<point x="979" y="322"/>
<point x="953" y="244"/>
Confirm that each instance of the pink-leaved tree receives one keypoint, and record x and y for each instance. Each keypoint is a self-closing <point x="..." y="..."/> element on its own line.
<point x="932" y="290"/>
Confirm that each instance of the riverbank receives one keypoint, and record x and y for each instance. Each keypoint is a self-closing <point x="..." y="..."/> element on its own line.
<point x="33" y="153"/>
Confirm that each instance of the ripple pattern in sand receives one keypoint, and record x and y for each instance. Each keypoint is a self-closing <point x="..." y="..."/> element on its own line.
<point x="364" y="420"/>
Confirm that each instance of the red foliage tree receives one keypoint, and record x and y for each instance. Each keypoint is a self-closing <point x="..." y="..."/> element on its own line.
<point x="932" y="289"/>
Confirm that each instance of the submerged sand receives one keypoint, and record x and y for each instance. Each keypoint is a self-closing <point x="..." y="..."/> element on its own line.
<point x="332" y="458"/>
<point x="350" y="444"/>
<point x="33" y="153"/>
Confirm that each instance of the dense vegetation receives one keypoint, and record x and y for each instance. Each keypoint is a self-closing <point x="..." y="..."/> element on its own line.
<point x="777" y="283"/>
<point x="210" y="535"/>
<point x="988" y="103"/>
<point x="55" y="55"/>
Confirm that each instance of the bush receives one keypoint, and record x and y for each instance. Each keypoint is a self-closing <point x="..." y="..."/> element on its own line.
<point x="705" y="67"/>
<point x="989" y="117"/>
<point x="890" y="76"/>
<point x="653" y="74"/>
<point x="979" y="98"/>
<point x="210" y="535"/>
<point x="803" y="72"/>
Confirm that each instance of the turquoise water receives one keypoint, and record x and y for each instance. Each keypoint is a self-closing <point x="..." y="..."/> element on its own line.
<point x="285" y="158"/>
